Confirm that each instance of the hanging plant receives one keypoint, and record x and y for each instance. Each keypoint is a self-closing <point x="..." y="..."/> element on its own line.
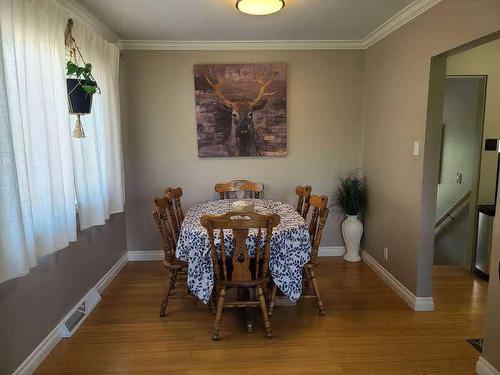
<point x="80" y="82"/>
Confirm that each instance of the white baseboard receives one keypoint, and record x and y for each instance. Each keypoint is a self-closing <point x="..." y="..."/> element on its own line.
<point x="483" y="367"/>
<point x="34" y="360"/>
<point x="36" y="357"/>
<point x="416" y="303"/>
<point x="144" y="256"/>
<point x="331" y="251"/>
<point x="111" y="274"/>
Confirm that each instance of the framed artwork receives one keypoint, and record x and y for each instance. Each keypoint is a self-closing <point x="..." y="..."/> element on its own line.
<point x="241" y="109"/>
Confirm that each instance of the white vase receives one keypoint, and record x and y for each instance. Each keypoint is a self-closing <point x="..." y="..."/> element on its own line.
<point x="352" y="230"/>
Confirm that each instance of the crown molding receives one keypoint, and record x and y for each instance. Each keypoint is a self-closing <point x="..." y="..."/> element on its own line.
<point x="399" y="19"/>
<point x="210" y="45"/>
<point x="79" y="11"/>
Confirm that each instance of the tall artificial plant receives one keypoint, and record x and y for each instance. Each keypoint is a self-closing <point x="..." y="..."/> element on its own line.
<point x="350" y="197"/>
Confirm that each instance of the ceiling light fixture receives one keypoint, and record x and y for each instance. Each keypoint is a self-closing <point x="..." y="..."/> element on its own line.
<point x="259" y="7"/>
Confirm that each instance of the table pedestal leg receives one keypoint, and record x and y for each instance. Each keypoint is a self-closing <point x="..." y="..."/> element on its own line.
<point x="248" y="320"/>
<point x="246" y="294"/>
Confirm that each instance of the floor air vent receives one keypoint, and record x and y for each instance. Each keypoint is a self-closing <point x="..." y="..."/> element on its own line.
<point x="76" y="316"/>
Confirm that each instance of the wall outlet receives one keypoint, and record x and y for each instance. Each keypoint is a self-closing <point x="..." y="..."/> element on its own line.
<point x="386" y="253"/>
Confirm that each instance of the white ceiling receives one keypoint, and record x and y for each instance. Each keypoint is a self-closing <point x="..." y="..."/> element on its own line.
<point x="219" y="20"/>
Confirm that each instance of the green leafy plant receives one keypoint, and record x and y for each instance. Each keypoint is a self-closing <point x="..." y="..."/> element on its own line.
<point x="84" y="74"/>
<point x="350" y="196"/>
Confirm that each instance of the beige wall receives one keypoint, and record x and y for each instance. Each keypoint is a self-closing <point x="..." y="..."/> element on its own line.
<point x="324" y="115"/>
<point x="397" y="82"/>
<point x="484" y="60"/>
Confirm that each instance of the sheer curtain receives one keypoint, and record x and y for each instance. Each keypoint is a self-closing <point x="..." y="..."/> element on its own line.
<point x="43" y="170"/>
<point x="37" y="205"/>
<point x="98" y="158"/>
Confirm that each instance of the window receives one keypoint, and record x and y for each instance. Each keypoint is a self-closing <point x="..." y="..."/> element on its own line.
<point x="42" y="168"/>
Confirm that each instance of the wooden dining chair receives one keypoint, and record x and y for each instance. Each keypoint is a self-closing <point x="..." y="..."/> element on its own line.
<point x="239" y="189"/>
<point x="163" y="221"/>
<point x="303" y="196"/>
<point x="174" y="210"/>
<point x="316" y="225"/>
<point x="239" y="270"/>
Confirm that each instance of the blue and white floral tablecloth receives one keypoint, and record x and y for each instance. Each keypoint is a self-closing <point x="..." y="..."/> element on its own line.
<point x="290" y="246"/>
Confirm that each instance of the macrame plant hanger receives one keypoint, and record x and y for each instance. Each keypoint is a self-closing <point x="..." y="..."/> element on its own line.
<point x="74" y="55"/>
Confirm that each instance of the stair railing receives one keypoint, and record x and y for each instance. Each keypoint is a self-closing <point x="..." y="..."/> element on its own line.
<point x="449" y="213"/>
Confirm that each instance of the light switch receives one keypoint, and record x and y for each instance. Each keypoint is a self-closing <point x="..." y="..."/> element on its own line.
<point x="459" y="178"/>
<point x="416" y="148"/>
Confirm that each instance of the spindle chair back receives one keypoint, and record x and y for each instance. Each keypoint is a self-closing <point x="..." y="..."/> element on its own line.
<point x="239" y="189"/>
<point x="162" y="216"/>
<point x="303" y="196"/>
<point x="174" y="210"/>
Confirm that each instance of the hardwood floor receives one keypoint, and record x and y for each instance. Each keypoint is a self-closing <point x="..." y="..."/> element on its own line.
<point x="367" y="330"/>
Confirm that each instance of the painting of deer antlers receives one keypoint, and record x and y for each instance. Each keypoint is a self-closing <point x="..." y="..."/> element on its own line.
<point x="241" y="109"/>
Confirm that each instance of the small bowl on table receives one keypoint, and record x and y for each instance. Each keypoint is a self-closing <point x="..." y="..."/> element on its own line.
<point x="242" y="206"/>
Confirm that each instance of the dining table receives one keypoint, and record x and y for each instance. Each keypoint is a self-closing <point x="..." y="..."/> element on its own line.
<point x="290" y="246"/>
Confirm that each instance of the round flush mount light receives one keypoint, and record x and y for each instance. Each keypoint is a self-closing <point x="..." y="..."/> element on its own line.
<point x="259" y="7"/>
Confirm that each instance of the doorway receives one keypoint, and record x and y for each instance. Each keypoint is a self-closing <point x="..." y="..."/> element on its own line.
<point x="459" y="177"/>
<point x="462" y="146"/>
<point x="476" y="58"/>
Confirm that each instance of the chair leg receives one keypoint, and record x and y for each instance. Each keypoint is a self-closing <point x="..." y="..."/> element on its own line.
<point x="263" y="308"/>
<point x="271" y="299"/>
<point x="218" y="315"/>
<point x="314" y="283"/>
<point x="305" y="277"/>
<point x="213" y="301"/>
<point x="172" y="277"/>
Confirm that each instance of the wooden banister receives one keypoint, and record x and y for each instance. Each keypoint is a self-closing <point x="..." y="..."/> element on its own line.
<point x="464" y="198"/>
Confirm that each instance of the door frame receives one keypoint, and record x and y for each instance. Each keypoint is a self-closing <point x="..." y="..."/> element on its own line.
<point x="430" y="167"/>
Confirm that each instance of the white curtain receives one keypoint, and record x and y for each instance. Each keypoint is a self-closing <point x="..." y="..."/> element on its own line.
<point x="98" y="157"/>
<point x="38" y="197"/>
<point x="43" y="170"/>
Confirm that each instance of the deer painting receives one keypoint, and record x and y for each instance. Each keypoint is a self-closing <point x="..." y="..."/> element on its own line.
<point x="239" y="114"/>
<point x="241" y="140"/>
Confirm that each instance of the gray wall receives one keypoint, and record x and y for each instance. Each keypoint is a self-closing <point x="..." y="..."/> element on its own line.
<point x="32" y="306"/>
<point x="324" y="115"/>
<point x="453" y="240"/>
